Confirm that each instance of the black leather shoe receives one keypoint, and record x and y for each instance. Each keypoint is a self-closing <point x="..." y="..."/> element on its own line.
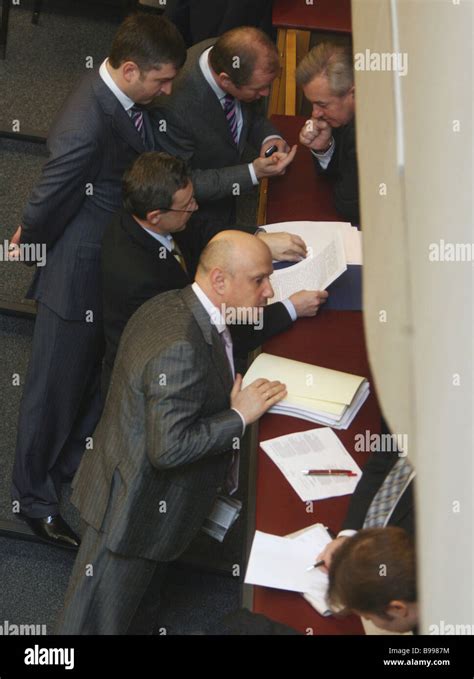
<point x="54" y="530"/>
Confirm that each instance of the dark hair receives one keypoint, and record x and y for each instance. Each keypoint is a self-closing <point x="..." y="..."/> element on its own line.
<point x="149" y="41"/>
<point x="356" y="581"/>
<point x="237" y="52"/>
<point x="151" y="182"/>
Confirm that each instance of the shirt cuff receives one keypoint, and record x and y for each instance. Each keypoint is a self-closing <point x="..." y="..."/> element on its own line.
<point x="242" y="418"/>
<point x="253" y="175"/>
<point x="325" y="158"/>
<point x="346" y="533"/>
<point x="290" y="307"/>
<point x="271" y="136"/>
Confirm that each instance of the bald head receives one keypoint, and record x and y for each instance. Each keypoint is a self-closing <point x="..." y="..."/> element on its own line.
<point x="234" y="268"/>
<point x="231" y="250"/>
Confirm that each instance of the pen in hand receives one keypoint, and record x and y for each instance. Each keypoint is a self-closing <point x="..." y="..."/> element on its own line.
<point x="316" y="565"/>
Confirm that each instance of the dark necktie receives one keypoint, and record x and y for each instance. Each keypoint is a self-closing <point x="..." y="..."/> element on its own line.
<point x="178" y="255"/>
<point x="230" y="110"/>
<point x="137" y="116"/>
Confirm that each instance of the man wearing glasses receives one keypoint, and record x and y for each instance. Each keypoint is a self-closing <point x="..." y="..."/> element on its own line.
<point x="149" y="248"/>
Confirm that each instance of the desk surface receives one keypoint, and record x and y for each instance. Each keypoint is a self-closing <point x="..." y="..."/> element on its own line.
<point x="323" y="15"/>
<point x="300" y="193"/>
<point x="334" y="339"/>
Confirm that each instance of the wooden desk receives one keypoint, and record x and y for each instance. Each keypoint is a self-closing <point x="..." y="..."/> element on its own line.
<point x="295" y="21"/>
<point x="300" y="193"/>
<point x="333" y="339"/>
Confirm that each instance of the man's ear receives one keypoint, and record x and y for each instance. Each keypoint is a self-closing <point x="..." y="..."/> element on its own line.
<point x="224" y="81"/>
<point x="397" y="609"/>
<point x="154" y="217"/>
<point x="217" y="278"/>
<point x="129" y="69"/>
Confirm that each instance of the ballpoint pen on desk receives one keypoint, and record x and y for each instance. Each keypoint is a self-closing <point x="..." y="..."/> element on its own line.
<point x="328" y="472"/>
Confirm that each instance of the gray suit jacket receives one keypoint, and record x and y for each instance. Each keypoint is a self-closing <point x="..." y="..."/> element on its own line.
<point x="197" y="130"/>
<point x="91" y="143"/>
<point x="163" y="446"/>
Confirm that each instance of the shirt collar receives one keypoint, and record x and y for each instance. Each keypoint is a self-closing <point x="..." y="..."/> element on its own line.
<point x="126" y="102"/>
<point x="214" y="313"/>
<point x="206" y="71"/>
<point x="165" y="238"/>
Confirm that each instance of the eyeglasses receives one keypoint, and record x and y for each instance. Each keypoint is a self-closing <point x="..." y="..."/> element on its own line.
<point x="172" y="209"/>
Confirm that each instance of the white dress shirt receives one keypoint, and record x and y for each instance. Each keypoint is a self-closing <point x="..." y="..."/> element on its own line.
<point x="126" y="102"/>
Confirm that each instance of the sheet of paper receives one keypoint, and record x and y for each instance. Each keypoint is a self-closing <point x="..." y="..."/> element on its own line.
<point x="315" y="234"/>
<point x="282" y="563"/>
<point x="316" y="272"/>
<point x="313" y="449"/>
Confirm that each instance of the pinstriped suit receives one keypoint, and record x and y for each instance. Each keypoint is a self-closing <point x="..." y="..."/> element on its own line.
<point x="197" y="130"/>
<point x="156" y="446"/>
<point x="92" y="142"/>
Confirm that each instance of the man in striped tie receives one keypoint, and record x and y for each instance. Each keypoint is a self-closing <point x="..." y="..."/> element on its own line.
<point x="214" y="114"/>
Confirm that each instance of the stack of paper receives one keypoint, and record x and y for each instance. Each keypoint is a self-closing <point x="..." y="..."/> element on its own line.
<point x="313" y="449"/>
<point x="315" y="394"/>
<point x="284" y="563"/>
<point x="316" y="234"/>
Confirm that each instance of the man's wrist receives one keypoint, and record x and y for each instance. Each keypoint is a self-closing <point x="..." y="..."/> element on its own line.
<point x="328" y="148"/>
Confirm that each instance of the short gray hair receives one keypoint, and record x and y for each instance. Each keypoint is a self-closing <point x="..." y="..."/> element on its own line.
<point x="331" y="60"/>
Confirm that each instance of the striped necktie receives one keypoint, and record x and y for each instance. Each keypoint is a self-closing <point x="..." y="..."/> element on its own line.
<point x="387" y="496"/>
<point x="137" y="116"/>
<point x="230" y="110"/>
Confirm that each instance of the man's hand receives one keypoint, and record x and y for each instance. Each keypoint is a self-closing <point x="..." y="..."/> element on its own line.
<point x="285" y="247"/>
<point x="328" y="552"/>
<point x="275" y="165"/>
<point x="307" y="302"/>
<point x="281" y="145"/>
<point x="253" y="401"/>
<point x="316" y="134"/>
<point x="14" y="248"/>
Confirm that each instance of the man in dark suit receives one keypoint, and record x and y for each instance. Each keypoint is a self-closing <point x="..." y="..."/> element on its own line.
<point x="100" y="130"/>
<point x="166" y="444"/>
<point x="214" y="113"/>
<point x="383" y="496"/>
<point x="327" y="77"/>
<point x="152" y="246"/>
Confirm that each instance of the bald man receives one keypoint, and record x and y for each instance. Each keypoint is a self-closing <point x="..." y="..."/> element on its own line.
<point x="167" y="441"/>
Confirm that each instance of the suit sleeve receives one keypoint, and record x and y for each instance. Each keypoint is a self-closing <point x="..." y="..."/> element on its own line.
<point x="374" y="473"/>
<point x="177" y="432"/>
<point x="246" y="338"/>
<point x="261" y="128"/>
<point x="74" y="162"/>
<point x="209" y="184"/>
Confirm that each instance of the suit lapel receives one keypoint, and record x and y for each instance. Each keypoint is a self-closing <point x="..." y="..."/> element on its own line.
<point x="211" y="336"/>
<point x="210" y="105"/>
<point x="121" y="121"/>
<point x="150" y="244"/>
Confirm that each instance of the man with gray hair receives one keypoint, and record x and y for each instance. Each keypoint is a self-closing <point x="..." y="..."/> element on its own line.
<point x="326" y="75"/>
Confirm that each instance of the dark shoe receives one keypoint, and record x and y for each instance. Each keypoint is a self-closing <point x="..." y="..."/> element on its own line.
<point x="54" y="530"/>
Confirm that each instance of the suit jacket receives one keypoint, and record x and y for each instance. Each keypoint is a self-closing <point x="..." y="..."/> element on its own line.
<point x="91" y="143"/>
<point x="197" y="130"/>
<point x="343" y="167"/>
<point x="136" y="267"/>
<point x="163" y="444"/>
<point x="374" y="473"/>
